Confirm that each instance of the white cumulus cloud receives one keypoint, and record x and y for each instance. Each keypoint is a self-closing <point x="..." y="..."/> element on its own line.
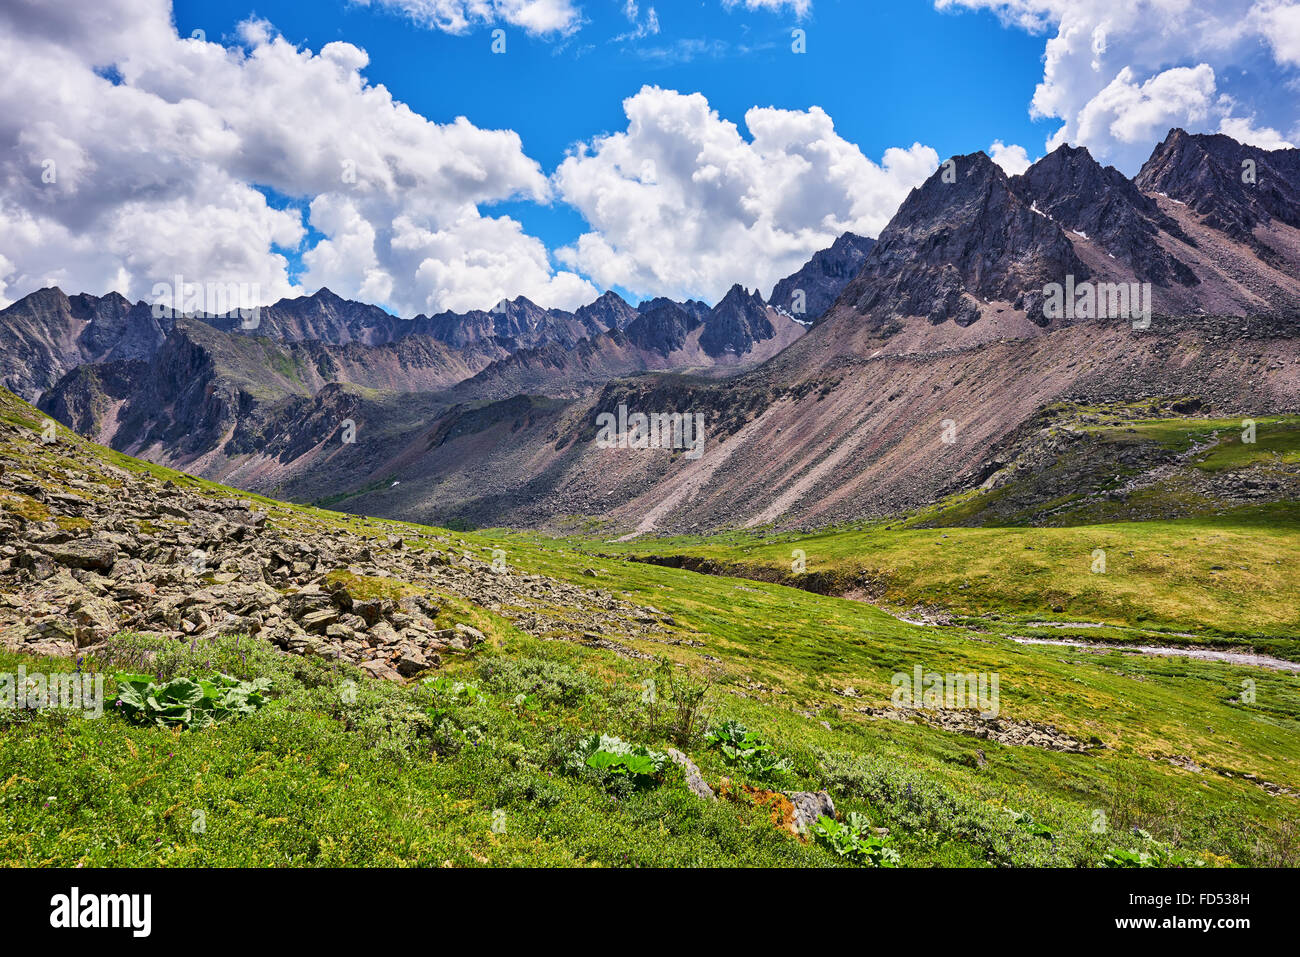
<point x="1013" y="159"/>
<point x="121" y="180"/>
<point x="1119" y="74"/>
<point x="681" y="203"/>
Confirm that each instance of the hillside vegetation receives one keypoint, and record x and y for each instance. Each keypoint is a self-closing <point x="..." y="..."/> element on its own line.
<point x="547" y="742"/>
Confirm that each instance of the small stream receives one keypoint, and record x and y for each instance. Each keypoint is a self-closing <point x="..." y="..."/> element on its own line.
<point x="1200" y="654"/>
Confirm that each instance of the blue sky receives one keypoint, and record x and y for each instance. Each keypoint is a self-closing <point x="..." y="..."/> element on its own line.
<point x="381" y="147"/>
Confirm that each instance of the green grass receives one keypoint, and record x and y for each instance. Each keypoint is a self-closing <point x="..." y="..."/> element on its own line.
<point x="1230" y="578"/>
<point x="1276" y="443"/>
<point x="332" y="773"/>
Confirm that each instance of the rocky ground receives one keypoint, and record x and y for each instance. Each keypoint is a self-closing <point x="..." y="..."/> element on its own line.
<point x="1071" y="465"/>
<point x="89" y="550"/>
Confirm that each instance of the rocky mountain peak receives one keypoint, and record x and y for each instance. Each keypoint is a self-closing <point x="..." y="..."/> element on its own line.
<point x="808" y="293"/>
<point x="736" y="323"/>
<point x="962" y="238"/>
<point x="1236" y="187"/>
<point x="1100" y="204"/>
<point x="663" y="328"/>
<point x="47" y="334"/>
<point x="609" y="311"/>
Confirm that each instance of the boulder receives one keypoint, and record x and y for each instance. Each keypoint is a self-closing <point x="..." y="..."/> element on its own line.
<point x="319" y="620"/>
<point x="84" y="553"/>
<point x="694" y="780"/>
<point x="378" y="668"/>
<point x="370" y="609"/>
<point x="411" y="661"/>
<point x="808" y="806"/>
<point x="95" y="619"/>
<point x="470" y="635"/>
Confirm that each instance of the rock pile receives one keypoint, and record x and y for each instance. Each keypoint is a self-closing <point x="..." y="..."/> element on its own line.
<point x="88" y="550"/>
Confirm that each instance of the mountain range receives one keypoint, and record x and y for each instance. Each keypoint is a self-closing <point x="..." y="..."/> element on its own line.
<point x="880" y="376"/>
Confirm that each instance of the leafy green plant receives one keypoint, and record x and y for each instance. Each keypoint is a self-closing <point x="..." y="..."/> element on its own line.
<point x="187" y="702"/>
<point x="1034" y="827"/>
<point x="745" y="749"/>
<point x="853" y="840"/>
<point x="455" y="692"/>
<point x="1150" y="853"/>
<point x="616" y="758"/>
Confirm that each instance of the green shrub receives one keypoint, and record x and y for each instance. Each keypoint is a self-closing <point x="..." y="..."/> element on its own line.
<point x="539" y="678"/>
<point x="384" y="716"/>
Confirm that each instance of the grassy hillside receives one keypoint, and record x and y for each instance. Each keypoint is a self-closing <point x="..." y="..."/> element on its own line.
<point x="483" y="760"/>
<point x="1222" y="574"/>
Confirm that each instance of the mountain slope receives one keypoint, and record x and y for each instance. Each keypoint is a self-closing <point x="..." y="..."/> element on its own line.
<point x="47" y="334"/>
<point x="867" y="438"/>
<point x="207" y="395"/>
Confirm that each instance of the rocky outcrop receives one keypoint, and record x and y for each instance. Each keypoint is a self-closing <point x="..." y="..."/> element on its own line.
<point x="694" y="780"/>
<point x="808" y="293"/>
<point x="808" y="807"/>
